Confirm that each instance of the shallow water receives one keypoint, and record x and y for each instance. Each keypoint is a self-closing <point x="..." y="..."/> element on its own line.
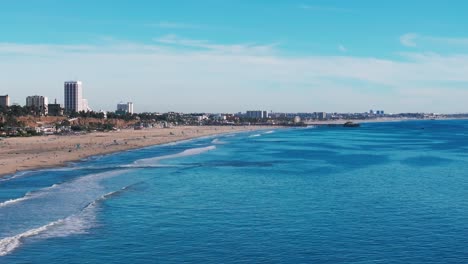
<point x="388" y="193"/>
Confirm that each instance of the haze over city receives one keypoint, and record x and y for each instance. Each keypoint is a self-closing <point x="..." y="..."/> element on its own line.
<point x="229" y="56"/>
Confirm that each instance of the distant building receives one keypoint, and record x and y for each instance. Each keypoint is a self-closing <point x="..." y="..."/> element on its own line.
<point x="38" y="102"/>
<point x="84" y="105"/>
<point x="73" y="96"/>
<point x="257" y="114"/>
<point x="321" y="115"/>
<point x="371" y="112"/>
<point x="5" y="100"/>
<point x="380" y="112"/>
<point x="219" y="117"/>
<point x="126" y="108"/>
<point x="55" y="109"/>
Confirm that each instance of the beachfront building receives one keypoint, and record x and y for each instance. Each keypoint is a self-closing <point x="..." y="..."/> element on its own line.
<point x="73" y="95"/>
<point x="55" y="109"/>
<point x="4" y="100"/>
<point x="321" y="115"/>
<point x="86" y="107"/>
<point x="125" y="108"/>
<point x="256" y="114"/>
<point x="38" y="102"/>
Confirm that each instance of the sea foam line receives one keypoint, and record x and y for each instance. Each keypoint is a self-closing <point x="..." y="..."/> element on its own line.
<point x="27" y="196"/>
<point x="44" y="191"/>
<point x="74" y="224"/>
<point x="187" y="152"/>
<point x="217" y="141"/>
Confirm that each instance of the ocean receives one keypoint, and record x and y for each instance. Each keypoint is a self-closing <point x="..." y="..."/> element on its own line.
<point x="381" y="193"/>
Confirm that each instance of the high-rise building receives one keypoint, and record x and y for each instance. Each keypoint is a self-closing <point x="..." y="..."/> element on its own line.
<point x="38" y="102"/>
<point x="73" y="95"/>
<point x="130" y="108"/>
<point x="126" y="108"/>
<point x="4" y="100"/>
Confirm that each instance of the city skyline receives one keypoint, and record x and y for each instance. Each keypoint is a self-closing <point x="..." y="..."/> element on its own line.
<point x="297" y="56"/>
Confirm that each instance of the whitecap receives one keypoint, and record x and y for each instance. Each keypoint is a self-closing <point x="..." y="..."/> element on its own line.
<point x="217" y="141"/>
<point x="27" y="196"/>
<point x="75" y="224"/>
<point x="187" y="152"/>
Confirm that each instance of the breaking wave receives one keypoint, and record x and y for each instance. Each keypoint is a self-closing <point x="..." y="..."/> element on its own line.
<point x="27" y="196"/>
<point x="188" y="152"/>
<point x="217" y="141"/>
<point x="75" y="224"/>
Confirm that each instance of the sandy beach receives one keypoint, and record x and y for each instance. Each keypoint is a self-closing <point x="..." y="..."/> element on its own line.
<point x="19" y="154"/>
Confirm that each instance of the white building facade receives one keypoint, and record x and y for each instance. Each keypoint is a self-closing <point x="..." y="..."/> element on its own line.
<point x="39" y="102"/>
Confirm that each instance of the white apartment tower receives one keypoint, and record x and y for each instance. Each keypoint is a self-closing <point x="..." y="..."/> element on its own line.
<point x="39" y="102"/>
<point x="73" y="93"/>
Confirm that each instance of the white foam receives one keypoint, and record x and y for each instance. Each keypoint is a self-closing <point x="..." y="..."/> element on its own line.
<point x="27" y="196"/>
<point x="269" y="132"/>
<point x="256" y="135"/>
<point x="188" y="152"/>
<point x="217" y="141"/>
<point x="14" y="176"/>
<point x="75" y="224"/>
<point x="72" y="225"/>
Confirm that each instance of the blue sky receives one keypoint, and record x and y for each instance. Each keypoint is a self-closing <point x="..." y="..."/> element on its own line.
<point x="230" y="56"/>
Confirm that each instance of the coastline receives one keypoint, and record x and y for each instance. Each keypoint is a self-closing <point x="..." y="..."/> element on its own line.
<point x="377" y="120"/>
<point x="34" y="153"/>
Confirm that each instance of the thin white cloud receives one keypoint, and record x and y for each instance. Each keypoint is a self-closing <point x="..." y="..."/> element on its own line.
<point x="412" y="40"/>
<point x="174" y="25"/>
<point x="342" y="48"/>
<point x="409" y="39"/>
<point x="243" y="48"/>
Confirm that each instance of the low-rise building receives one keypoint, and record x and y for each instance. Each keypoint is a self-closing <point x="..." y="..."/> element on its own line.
<point x="55" y="109"/>
<point x="257" y="114"/>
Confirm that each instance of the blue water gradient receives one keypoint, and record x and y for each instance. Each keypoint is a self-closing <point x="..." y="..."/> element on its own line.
<point x="381" y="193"/>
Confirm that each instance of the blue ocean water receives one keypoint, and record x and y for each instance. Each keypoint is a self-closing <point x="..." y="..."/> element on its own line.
<point x="381" y="193"/>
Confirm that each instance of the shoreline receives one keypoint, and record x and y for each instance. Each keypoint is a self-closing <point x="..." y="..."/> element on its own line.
<point x="56" y="151"/>
<point x="378" y="120"/>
